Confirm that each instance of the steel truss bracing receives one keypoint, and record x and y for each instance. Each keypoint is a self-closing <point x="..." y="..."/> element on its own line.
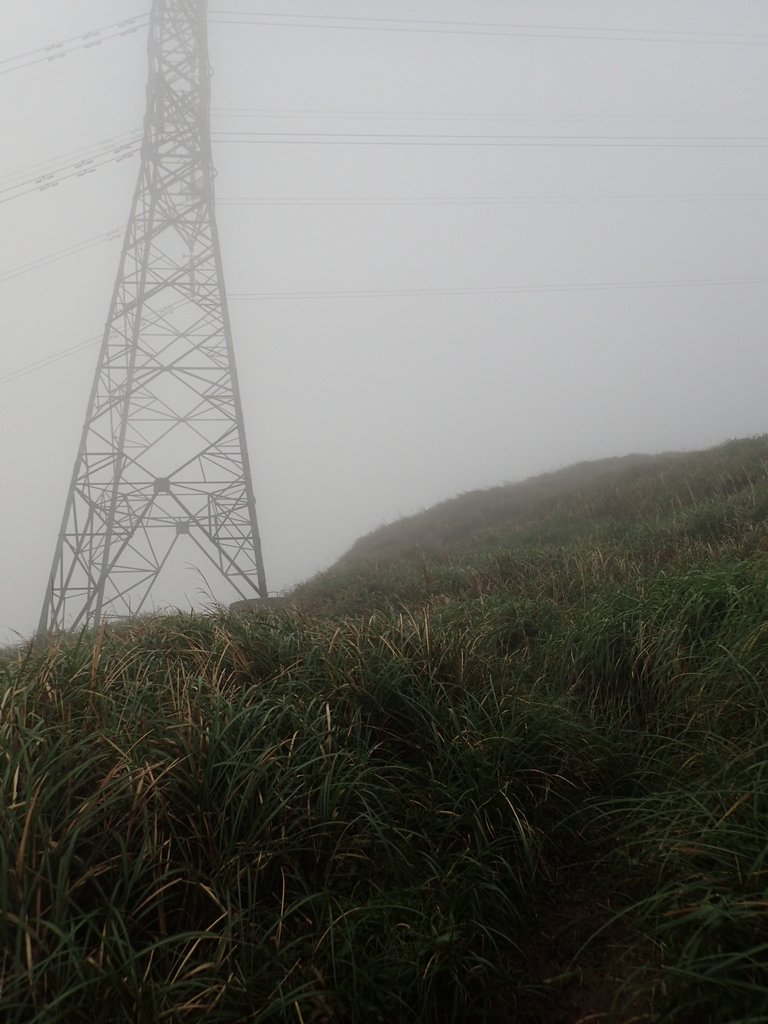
<point x="162" y="456"/>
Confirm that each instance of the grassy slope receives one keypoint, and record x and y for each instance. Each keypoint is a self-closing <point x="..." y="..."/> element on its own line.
<point x="529" y="719"/>
<point x="648" y="512"/>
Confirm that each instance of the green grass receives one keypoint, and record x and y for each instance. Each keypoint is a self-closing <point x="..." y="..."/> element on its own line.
<point x="507" y="762"/>
<point x="205" y="815"/>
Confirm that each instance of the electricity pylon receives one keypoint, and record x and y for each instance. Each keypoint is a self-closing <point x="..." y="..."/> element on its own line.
<point x="162" y="454"/>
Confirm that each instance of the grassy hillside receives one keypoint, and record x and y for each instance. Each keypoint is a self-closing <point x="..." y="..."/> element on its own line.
<point x="636" y="514"/>
<point x="508" y="761"/>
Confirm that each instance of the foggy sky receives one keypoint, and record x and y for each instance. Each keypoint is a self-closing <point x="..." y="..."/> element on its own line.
<point x="360" y="409"/>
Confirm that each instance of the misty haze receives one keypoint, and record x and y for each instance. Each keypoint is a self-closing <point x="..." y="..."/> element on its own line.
<point x="456" y="254"/>
<point x="383" y="574"/>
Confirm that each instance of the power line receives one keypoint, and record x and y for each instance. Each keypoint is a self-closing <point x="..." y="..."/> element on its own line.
<point x="72" y="156"/>
<point x="56" y="357"/>
<point x="60" y="254"/>
<point x="479" y="28"/>
<point x="503" y="289"/>
<point x="51" y="173"/>
<point x="256" y="113"/>
<point x="356" y="201"/>
<point x="395" y="201"/>
<point x="83" y="161"/>
<point x="90" y="160"/>
<point x="73" y="39"/>
<point x="470" y="24"/>
<point x="411" y="293"/>
<point x="385" y="293"/>
<point x="41" y="364"/>
<point x="86" y="41"/>
<point x="521" y="141"/>
<point x="54" y="180"/>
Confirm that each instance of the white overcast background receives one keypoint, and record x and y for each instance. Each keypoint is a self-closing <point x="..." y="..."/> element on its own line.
<point x="604" y="161"/>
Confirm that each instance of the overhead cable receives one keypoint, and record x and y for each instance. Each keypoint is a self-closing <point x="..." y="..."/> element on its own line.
<point x="260" y="113"/>
<point x="399" y="201"/>
<point x="60" y="254"/>
<point x="56" y="357"/>
<point x="529" y="200"/>
<point x="272" y="19"/>
<point x="50" y="173"/>
<point x="86" y="41"/>
<point x="71" y="156"/>
<point x="413" y="293"/>
<point x="477" y="140"/>
<point x="41" y="364"/>
<point x="586" y="286"/>
<point x="113" y="151"/>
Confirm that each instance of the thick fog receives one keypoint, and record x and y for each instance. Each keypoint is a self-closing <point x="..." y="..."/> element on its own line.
<point x="458" y="254"/>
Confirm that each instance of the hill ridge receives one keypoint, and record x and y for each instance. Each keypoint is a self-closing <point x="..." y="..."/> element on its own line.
<point x="456" y="520"/>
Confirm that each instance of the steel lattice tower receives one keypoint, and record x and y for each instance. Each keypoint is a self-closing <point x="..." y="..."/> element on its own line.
<point x="163" y="452"/>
